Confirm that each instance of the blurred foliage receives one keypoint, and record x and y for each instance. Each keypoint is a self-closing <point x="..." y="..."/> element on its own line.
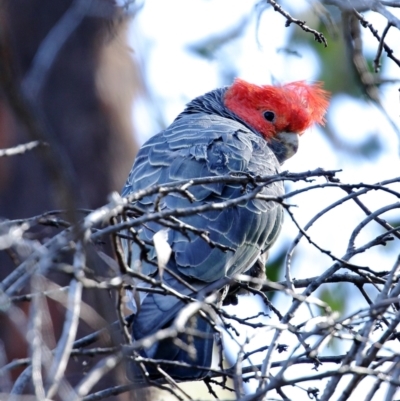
<point x="336" y="68"/>
<point x="208" y="46"/>
<point x="274" y="268"/>
<point x="394" y="222"/>
<point x="371" y="146"/>
<point x="335" y="299"/>
<point x="339" y="79"/>
<point x="339" y="76"/>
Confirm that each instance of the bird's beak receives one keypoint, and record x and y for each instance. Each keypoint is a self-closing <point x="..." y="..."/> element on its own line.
<point x="290" y="141"/>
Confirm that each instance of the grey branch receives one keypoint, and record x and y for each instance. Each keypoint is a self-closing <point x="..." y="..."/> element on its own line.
<point x="21" y="149"/>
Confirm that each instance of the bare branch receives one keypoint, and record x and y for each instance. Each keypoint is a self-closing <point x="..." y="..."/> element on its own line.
<point x="318" y="36"/>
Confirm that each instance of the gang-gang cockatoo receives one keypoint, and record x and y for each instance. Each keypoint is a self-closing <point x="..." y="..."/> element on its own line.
<point x="243" y="129"/>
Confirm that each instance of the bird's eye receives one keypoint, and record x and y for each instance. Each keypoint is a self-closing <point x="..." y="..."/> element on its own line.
<point x="269" y="115"/>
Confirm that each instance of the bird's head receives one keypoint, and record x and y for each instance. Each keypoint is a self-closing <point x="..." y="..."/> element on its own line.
<point x="278" y="113"/>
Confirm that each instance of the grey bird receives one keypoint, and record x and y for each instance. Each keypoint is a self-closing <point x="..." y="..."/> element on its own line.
<point x="243" y="129"/>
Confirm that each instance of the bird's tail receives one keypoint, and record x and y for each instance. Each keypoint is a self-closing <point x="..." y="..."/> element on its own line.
<point x="183" y="358"/>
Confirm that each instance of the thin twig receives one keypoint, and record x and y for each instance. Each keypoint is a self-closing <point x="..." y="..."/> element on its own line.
<point x="21" y="149"/>
<point x="318" y="36"/>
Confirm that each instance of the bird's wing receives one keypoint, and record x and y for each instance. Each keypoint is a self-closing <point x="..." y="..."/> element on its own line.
<point x="201" y="146"/>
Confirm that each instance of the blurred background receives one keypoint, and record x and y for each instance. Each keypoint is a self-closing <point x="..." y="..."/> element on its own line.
<point x="124" y="73"/>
